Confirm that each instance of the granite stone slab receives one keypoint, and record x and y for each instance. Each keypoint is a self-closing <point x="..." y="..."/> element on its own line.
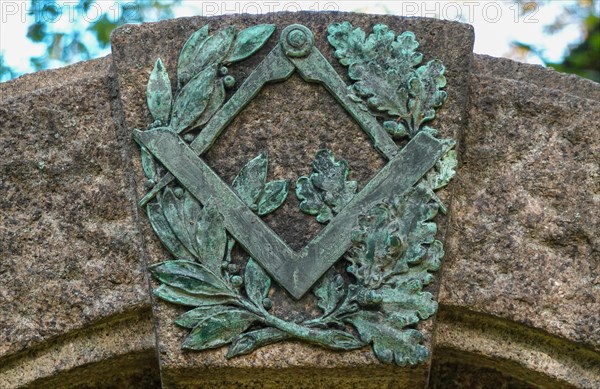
<point x="292" y="120"/>
<point x="524" y="240"/>
<point x="69" y="244"/>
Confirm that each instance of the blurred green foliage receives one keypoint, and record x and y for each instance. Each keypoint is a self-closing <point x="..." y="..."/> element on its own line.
<point x="87" y="30"/>
<point x="583" y="58"/>
<point x="5" y="71"/>
<point x="66" y="46"/>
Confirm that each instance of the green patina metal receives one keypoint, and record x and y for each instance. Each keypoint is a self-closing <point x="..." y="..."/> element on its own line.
<point x="326" y="192"/>
<point x="385" y="232"/>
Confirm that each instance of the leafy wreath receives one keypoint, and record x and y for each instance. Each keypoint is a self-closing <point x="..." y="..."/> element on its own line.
<point x="380" y="299"/>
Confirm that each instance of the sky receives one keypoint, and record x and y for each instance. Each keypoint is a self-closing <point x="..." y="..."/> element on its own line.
<point x="496" y="23"/>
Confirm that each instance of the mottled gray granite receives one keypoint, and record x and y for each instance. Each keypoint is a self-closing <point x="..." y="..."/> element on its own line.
<point x="69" y="244"/>
<point x="292" y="120"/>
<point x="519" y="291"/>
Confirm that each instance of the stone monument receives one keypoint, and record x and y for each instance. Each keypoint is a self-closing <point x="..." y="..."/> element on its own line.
<point x="300" y="200"/>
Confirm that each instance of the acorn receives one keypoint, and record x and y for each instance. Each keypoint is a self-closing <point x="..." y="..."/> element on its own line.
<point x="369" y="298"/>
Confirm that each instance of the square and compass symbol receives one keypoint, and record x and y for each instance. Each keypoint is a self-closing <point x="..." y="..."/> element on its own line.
<point x="385" y="231"/>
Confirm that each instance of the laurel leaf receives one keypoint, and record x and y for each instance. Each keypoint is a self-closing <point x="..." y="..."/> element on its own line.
<point x="181" y="214"/>
<point x="216" y="48"/>
<point x="148" y="165"/>
<point x="211" y="237"/>
<point x="257" y="282"/>
<point x="273" y="196"/>
<point x="158" y="93"/>
<point x="165" y="233"/>
<point x="249" y="41"/>
<point x="191" y="277"/>
<point x="250" y="181"/>
<point x="181" y="297"/>
<point x="192" y="99"/>
<point x="252" y="340"/>
<point x="219" y="329"/>
<point x="209" y="307"/>
<point x="214" y="103"/>
<point x="188" y="59"/>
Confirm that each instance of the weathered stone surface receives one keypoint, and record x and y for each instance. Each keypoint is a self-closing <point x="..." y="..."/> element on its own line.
<point x="451" y="369"/>
<point x="310" y="378"/>
<point x="516" y="352"/>
<point x="524" y="239"/>
<point x="523" y="243"/>
<point x="485" y="65"/>
<point x="285" y="119"/>
<point x="35" y="82"/>
<point x="69" y="247"/>
<point x="521" y="286"/>
<point x="119" y="352"/>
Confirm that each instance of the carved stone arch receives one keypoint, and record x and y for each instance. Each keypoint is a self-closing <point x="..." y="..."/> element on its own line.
<point x="519" y="289"/>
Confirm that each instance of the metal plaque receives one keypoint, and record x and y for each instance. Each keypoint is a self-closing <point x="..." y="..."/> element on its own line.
<point x="385" y="232"/>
